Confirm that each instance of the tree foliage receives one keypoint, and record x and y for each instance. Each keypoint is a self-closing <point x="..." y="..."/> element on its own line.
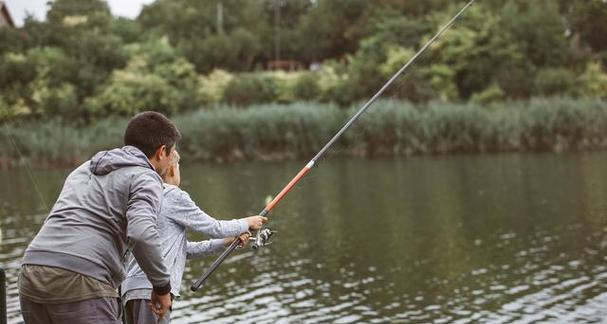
<point x="82" y="63"/>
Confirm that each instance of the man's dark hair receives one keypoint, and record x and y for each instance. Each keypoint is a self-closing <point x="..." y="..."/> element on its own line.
<point x="149" y="130"/>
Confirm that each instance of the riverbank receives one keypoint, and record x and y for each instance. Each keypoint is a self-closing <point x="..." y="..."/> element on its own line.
<point x="297" y="131"/>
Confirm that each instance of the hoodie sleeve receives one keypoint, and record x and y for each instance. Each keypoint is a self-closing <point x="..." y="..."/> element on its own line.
<point x="142" y="231"/>
<point x="185" y="212"/>
<point x="203" y="248"/>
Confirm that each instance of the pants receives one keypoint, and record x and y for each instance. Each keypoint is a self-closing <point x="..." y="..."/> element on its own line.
<point x="103" y="310"/>
<point x="138" y="312"/>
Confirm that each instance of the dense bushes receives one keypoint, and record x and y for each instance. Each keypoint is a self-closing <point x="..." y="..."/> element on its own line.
<point x="155" y="78"/>
<point x="250" y="89"/>
<point x="550" y="82"/>
<point x="306" y="87"/>
<point x="389" y="128"/>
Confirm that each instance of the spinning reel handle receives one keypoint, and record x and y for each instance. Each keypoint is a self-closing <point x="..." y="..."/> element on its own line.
<point x="262" y="238"/>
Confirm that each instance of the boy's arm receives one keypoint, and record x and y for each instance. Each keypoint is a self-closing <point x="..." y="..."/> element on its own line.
<point x="142" y="208"/>
<point x="182" y="210"/>
<point x="204" y="248"/>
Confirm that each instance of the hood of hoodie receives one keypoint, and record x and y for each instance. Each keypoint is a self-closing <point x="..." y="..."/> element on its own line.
<point x="105" y="162"/>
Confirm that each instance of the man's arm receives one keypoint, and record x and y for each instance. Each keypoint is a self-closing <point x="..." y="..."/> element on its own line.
<point x="143" y="206"/>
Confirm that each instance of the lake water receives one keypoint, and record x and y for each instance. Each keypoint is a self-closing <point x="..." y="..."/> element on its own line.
<point x="451" y="239"/>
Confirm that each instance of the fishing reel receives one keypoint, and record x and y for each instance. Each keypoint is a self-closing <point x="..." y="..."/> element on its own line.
<point x="262" y="238"/>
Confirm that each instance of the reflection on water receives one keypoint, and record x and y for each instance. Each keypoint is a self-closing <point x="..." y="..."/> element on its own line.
<point x="508" y="238"/>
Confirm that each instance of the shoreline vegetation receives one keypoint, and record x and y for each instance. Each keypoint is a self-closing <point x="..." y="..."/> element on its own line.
<point x="274" y="132"/>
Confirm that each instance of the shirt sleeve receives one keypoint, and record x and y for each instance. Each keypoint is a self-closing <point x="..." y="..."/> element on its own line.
<point x="203" y="248"/>
<point x="185" y="212"/>
<point x="142" y="230"/>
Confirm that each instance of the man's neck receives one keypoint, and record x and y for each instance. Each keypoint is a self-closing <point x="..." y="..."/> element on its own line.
<point x="153" y="163"/>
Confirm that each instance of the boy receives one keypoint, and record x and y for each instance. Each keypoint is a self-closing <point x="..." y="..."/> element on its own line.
<point x="178" y="213"/>
<point x="74" y="265"/>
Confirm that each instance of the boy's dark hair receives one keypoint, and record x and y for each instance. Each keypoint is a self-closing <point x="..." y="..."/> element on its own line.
<point x="149" y="130"/>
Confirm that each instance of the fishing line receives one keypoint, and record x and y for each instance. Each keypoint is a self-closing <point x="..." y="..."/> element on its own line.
<point x="28" y="169"/>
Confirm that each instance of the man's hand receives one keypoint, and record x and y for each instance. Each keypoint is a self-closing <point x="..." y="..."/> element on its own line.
<point x="255" y="222"/>
<point x="159" y="304"/>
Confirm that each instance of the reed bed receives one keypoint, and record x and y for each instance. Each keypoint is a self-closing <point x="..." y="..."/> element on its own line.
<point x="296" y="131"/>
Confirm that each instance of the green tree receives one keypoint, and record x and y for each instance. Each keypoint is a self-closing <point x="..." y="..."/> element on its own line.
<point x="12" y="40"/>
<point x="332" y="28"/>
<point x="539" y="31"/>
<point x="198" y="35"/>
<point x="594" y="81"/>
<point x="62" y="9"/>
<point x="156" y="78"/>
<point x="476" y="51"/>
<point x="588" y="19"/>
<point x="83" y="31"/>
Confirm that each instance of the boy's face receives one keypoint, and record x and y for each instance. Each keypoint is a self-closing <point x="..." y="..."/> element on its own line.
<point x="176" y="179"/>
<point x="172" y="174"/>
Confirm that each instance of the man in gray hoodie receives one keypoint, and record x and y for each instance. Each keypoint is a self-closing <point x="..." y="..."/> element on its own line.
<point x="107" y="207"/>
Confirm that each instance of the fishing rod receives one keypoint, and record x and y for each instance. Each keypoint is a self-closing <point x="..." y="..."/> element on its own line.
<point x="264" y="234"/>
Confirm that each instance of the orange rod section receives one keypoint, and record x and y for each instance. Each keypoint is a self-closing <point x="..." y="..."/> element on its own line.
<point x="288" y="187"/>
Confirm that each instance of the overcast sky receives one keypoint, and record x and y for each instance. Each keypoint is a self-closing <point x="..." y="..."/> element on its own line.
<point x="20" y="8"/>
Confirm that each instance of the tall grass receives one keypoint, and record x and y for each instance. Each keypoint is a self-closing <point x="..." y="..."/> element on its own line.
<point x="260" y="132"/>
<point x="55" y="143"/>
<point x="389" y="128"/>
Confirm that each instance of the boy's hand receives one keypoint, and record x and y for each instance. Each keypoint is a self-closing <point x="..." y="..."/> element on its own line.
<point x="255" y="222"/>
<point x="159" y="304"/>
<point x="243" y="238"/>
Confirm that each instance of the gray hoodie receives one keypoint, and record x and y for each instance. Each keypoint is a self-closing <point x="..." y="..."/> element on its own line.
<point x="106" y="204"/>
<point x="179" y="213"/>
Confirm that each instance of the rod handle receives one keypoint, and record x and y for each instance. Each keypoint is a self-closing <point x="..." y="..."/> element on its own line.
<point x="196" y="285"/>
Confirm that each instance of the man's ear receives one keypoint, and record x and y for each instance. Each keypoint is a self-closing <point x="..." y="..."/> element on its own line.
<point x="160" y="152"/>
